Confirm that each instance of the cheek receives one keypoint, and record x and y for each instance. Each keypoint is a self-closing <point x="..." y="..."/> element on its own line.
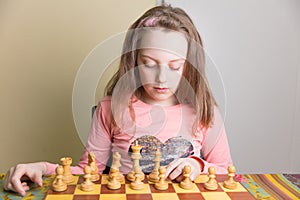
<point x="174" y="78"/>
<point x="146" y="75"/>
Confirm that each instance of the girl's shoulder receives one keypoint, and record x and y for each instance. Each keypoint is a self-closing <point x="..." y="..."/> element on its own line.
<point x="105" y="102"/>
<point x="104" y="106"/>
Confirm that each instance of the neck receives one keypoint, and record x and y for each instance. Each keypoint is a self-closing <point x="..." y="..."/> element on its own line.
<point x="166" y="102"/>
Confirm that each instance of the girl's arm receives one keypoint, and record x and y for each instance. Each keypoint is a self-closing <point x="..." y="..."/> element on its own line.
<point x="215" y="147"/>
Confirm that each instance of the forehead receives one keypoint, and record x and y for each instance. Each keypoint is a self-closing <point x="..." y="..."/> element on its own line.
<point x="165" y="40"/>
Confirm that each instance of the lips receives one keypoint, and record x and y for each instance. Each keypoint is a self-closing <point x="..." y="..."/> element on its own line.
<point x="161" y="89"/>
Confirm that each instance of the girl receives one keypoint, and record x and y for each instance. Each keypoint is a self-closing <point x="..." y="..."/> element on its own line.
<point x="159" y="97"/>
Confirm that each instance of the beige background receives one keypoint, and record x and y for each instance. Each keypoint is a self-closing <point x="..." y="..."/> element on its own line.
<point x="42" y="45"/>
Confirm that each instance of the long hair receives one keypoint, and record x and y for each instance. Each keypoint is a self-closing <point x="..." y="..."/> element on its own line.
<point x="193" y="87"/>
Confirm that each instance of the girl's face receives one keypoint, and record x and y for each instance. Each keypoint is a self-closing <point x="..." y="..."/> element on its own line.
<point x="161" y="60"/>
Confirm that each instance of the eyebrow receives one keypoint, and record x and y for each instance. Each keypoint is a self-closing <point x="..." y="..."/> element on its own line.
<point x="175" y="60"/>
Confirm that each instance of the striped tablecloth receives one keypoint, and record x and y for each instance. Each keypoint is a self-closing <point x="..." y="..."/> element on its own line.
<point x="272" y="186"/>
<point x="261" y="186"/>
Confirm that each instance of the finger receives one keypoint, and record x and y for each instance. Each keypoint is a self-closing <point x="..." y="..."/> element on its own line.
<point x="15" y="180"/>
<point x="24" y="184"/>
<point x="9" y="185"/>
<point x="17" y="186"/>
<point x="175" y="173"/>
<point x="193" y="176"/>
<point x="36" y="178"/>
<point x="7" y="178"/>
<point x="180" y="178"/>
<point x="195" y="169"/>
<point x="172" y="166"/>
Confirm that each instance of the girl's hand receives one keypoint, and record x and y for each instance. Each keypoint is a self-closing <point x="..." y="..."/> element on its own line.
<point x="175" y="168"/>
<point x="14" y="178"/>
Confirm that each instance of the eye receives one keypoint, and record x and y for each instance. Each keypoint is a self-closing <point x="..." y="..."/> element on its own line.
<point x="176" y="65"/>
<point x="149" y="64"/>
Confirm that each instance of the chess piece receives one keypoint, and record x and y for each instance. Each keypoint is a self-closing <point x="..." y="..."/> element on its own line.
<point x="211" y="184"/>
<point x="186" y="183"/>
<point x="113" y="182"/>
<point x="94" y="168"/>
<point x="136" y="156"/>
<point x="161" y="184"/>
<point x="137" y="184"/>
<point x="154" y="175"/>
<point x="87" y="185"/>
<point x="230" y="183"/>
<point x="67" y="176"/>
<point x="115" y="167"/>
<point x="58" y="184"/>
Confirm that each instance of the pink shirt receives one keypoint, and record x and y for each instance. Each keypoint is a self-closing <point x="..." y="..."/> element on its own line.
<point x="160" y="122"/>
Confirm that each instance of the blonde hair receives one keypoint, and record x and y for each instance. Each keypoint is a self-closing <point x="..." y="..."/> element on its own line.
<point x="169" y="19"/>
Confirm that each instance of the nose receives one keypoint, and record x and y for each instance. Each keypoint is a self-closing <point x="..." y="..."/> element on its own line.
<point x="161" y="74"/>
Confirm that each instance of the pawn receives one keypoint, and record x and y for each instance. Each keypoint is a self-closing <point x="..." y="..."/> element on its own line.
<point x="137" y="184"/>
<point x="113" y="182"/>
<point x="211" y="184"/>
<point x="58" y="184"/>
<point x="186" y="183"/>
<point x="162" y="184"/>
<point x="230" y="183"/>
<point x="87" y="185"/>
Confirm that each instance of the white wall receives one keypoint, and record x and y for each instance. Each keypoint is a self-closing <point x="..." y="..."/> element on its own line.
<point x="256" y="48"/>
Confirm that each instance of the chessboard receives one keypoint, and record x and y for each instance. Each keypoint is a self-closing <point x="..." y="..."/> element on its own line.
<point x="174" y="191"/>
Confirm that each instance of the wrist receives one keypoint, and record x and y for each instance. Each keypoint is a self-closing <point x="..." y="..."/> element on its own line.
<point x="200" y="161"/>
<point x="49" y="168"/>
<point x="43" y="167"/>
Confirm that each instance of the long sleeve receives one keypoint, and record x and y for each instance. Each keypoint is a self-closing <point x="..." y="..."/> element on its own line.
<point x="215" y="147"/>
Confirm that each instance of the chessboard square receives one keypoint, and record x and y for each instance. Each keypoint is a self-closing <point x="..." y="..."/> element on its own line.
<point x="59" y="197"/>
<point x="145" y="190"/>
<point x="86" y="197"/>
<point x="165" y="196"/>
<point x="221" y="177"/>
<point x="96" y="190"/>
<point x="105" y="177"/>
<point x="178" y="189"/>
<point x="169" y="190"/>
<point x="239" y="188"/>
<point x="215" y="195"/>
<point x="76" y="178"/>
<point x="190" y="196"/>
<point x="138" y="196"/>
<point x="240" y="195"/>
<point x="150" y="182"/>
<point x="202" y="178"/>
<point x="70" y="190"/>
<point x="202" y="188"/>
<point x="113" y="197"/>
<point x="127" y="181"/>
<point x="105" y="190"/>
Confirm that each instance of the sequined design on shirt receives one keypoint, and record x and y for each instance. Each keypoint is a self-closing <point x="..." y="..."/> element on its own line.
<point x="176" y="147"/>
